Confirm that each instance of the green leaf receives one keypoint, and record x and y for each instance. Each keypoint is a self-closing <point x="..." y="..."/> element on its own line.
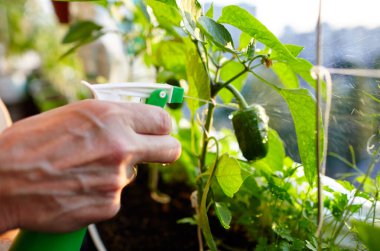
<point x="80" y="43"/>
<point x="369" y="235"/>
<point x="171" y="55"/>
<point x="81" y="30"/>
<point x="216" y="32"/>
<point x="192" y="7"/>
<point x="165" y="11"/>
<point x="172" y="3"/>
<point x="247" y="23"/>
<point x="197" y="78"/>
<point x="276" y="153"/>
<point x="229" y="175"/>
<point x="210" y="11"/>
<point x="244" y="40"/>
<point x="227" y="72"/>
<point x="191" y="10"/>
<point x="286" y="75"/>
<point x="187" y="220"/>
<point x="302" y="106"/>
<point x="347" y="185"/>
<point x="223" y="214"/>
<point x="295" y="50"/>
<point x="303" y="68"/>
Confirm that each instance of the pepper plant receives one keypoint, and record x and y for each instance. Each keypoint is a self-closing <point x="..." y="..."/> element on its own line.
<point x="255" y="189"/>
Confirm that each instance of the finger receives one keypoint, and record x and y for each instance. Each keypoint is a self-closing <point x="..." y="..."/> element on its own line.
<point x="148" y="119"/>
<point x="159" y="149"/>
<point x="76" y="212"/>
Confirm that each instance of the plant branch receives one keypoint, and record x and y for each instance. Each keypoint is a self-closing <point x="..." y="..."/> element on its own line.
<point x="204" y="59"/>
<point x="240" y="99"/>
<point x="347" y="212"/>
<point x="203" y="206"/>
<point x="221" y="86"/>
<point x="210" y="114"/>
<point x="265" y="81"/>
<point x="319" y="164"/>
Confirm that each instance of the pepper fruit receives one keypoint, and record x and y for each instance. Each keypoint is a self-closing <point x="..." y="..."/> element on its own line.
<point x="251" y="131"/>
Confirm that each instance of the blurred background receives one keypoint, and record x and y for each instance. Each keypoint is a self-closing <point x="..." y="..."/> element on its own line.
<point x="34" y="76"/>
<point x="351" y="40"/>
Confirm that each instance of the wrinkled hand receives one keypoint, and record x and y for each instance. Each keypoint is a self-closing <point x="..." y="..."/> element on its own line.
<point x="65" y="168"/>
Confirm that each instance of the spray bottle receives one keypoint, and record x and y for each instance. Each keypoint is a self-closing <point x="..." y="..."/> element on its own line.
<point x="153" y="94"/>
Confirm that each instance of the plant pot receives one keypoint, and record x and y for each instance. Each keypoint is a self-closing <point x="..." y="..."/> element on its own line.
<point x="62" y="11"/>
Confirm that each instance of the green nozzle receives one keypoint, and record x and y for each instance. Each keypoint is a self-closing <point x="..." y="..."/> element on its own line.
<point x="177" y="95"/>
<point x="160" y="97"/>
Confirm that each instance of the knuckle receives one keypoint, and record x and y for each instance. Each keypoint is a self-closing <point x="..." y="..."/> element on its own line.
<point x="117" y="150"/>
<point x="115" y="183"/>
<point x="90" y="103"/>
<point x="165" y="122"/>
<point x="98" y="107"/>
<point x="111" y="210"/>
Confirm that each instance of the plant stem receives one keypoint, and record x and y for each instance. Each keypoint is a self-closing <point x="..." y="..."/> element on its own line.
<point x="221" y="86"/>
<point x="349" y="214"/>
<point x="203" y="208"/>
<point x="374" y="206"/>
<point x="318" y="165"/>
<point x="204" y="59"/>
<point x="273" y="86"/>
<point x="202" y="160"/>
<point x="240" y="99"/>
<point x="207" y="127"/>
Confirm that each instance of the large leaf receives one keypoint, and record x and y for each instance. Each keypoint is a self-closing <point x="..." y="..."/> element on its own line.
<point x="247" y="23"/>
<point x="369" y="235"/>
<point x="244" y="40"/>
<point x="191" y="10"/>
<point x="227" y="72"/>
<point x="229" y="175"/>
<point x="210" y="11"/>
<point x="81" y="33"/>
<point x="81" y="30"/>
<point x="172" y="3"/>
<point x="197" y="78"/>
<point x="171" y="55"/>
<point x="192" y="7"/>
<point x="295" y="50"/>
<point x="302" y="106"/>
<point x="276" y="153"/>
<point x="216" y="32"/>
<point x="303" y="68"/>
<point x="165" y="12"/>
<point x="80" y="43"/>
<point x="286" y="74"/>
<point x="223" y="214"/>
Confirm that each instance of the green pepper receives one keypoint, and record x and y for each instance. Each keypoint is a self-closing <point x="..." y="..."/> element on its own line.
<point x="251" y="131"/>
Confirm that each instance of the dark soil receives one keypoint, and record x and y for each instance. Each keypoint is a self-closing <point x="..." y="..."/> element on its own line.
<point x="144" y="224"/>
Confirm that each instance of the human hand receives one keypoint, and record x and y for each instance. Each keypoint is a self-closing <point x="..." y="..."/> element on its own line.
<point x="65" y="168"/>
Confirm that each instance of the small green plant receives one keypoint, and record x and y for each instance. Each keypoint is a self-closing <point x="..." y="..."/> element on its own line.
<point x="256" y="190"/>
